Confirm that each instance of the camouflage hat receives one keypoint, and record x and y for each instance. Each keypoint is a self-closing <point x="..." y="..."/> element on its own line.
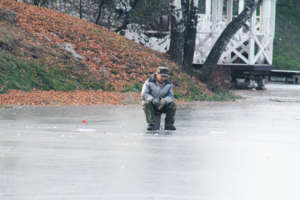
<point x="162" y="70"/>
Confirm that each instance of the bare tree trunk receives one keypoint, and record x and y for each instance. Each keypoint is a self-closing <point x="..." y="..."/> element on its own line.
<point x="99" y="10"/>
<point x="190" y="37"/>
<point x="220" y="45"/>
<point x="36" y="2"/>
<point x="43" y="3"/>
<point x="177" y="32"/>
<point x="183" y="32"/>
<point x="80" y="10"/>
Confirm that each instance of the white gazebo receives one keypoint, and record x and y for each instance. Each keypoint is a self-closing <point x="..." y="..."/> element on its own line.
<point x="251" y="45"/>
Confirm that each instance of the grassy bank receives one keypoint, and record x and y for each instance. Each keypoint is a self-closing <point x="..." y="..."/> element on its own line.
<point x="31" y="59"/>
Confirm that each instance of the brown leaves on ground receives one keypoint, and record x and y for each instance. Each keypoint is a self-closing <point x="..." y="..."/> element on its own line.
<point x="77" y="98"/>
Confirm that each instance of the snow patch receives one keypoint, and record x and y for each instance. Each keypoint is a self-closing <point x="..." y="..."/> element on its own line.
<point x="69" y="47"/>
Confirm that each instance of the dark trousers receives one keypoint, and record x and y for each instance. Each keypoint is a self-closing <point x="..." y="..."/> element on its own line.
<point x="169" y="109"/>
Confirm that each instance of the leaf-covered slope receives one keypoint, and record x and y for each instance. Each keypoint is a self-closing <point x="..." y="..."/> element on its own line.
<point x="110" y="60"/>
<point x="27" y="63"/>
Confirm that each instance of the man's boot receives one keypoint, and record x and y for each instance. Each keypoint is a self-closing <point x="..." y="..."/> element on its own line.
<point x="170" y="128"/>
<point x="150" y="127"/>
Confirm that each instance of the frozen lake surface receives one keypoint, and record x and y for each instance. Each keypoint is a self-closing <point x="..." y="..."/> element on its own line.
<point x="247" y="149"/>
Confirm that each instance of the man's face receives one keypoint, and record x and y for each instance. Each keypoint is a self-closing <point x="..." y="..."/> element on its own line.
<point x="160" y="78"/>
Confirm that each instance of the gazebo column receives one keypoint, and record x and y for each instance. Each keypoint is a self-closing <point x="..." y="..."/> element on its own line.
<point x="229" y="19"/>
<point x="208" y="12"/>
<point x="214" y="21"/>
<point x="241" y="8"/>
<point x="251" y="39"/>
<point x="208" y="7"/>
<point x="264" y="28"/>
<point x="229" y="11"/>
<point x="220" y="11"/>
<point x="241" y="5"/>
<point x="272" y="28"/>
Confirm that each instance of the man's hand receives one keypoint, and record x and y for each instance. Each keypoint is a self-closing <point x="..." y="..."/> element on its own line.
<point x="162" y="103"/>
<point x="156" y="103"/>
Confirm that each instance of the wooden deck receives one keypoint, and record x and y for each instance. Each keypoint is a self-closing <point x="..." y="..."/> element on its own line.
<point x="245" y="71"/>
<point x="257" y="72"/>
<point x="294" y="75"/>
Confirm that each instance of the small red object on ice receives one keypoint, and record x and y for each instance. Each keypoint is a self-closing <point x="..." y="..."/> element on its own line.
<point x="84" y="122"/>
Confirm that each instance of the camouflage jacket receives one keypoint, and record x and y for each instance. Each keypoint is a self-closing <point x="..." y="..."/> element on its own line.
<point x="152" y="90"/>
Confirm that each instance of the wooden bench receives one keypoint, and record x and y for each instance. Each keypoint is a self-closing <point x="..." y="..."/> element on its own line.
<point x="294" y="75"/>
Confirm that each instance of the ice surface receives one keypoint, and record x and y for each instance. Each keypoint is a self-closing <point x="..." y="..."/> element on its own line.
<point x="247" y="149"/>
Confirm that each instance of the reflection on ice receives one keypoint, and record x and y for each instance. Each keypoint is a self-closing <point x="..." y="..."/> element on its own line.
<point x="86" y="130"/>
<point x="217" y="132"/>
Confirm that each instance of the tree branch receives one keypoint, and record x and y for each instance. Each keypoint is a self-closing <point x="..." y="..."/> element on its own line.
<point x="99" y="10"/>
<point x="128" y="13"/>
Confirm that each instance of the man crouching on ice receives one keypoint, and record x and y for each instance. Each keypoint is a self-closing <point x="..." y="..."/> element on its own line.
<point x="157" y="96"/>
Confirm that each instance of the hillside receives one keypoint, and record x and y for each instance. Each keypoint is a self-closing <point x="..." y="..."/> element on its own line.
<point x="31" y="59"/>
<point x="287" y="36"/>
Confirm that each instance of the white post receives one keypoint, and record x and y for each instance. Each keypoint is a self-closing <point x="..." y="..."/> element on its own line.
<point x="272" y="29"/>
<point x="214" y="18"/>
<point x="261" y="18"/>
<point x="229" y="11"/>
<point x="229" y="19"/>
<point x="241" y="5"/>
<point x="208" y="13"/>
<point x="265" y="15"/>
<point x="251" y="39"/>
<point x="220" y="11"/>
<point x="208" y="7"/>
<point x="272" y="17"/>
<point x="241" y="8"/>
<point x="262" y="27"/>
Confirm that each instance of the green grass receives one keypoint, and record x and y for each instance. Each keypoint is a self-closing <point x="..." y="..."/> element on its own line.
<point x="199" y="95"/>
<point x="224" y="95"/>
<point x="5" y="107"/>
<point x="136" y="87"/>
<point x="17" y="73"/>
<point x="221" y="95"/>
